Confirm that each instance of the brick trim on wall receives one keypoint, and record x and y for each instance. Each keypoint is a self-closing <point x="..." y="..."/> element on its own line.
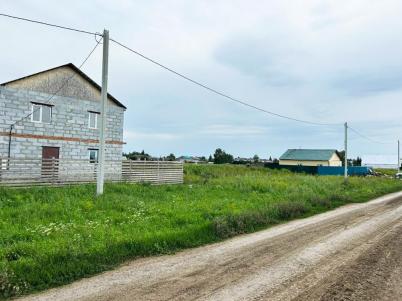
<point x="61" y="138"/>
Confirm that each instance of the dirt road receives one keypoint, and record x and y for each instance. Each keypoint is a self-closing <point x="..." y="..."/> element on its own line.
<point x="352" y="253"/>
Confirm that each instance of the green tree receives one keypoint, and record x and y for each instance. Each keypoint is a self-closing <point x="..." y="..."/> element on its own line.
<point x="137" y="155"/>
<point x="171" y="157"/>
<point x="221" y="157"/>
<point x="351" y="162"/>
<point x="357" y="161"/>
<point x="256" y="159"/>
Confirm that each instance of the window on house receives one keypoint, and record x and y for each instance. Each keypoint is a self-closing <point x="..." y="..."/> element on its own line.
<point x="41" y="113"/>
<point x="93" y="155"/>
<point x="4" y="164"/>
<point x="93" y="120"/>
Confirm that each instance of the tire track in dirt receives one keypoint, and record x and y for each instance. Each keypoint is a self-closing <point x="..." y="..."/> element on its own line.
<point x="270" y="277"/>
<point x="376" y="274"/>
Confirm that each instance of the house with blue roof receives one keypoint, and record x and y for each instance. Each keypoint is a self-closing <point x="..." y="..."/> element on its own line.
<point x="311" y="157"/>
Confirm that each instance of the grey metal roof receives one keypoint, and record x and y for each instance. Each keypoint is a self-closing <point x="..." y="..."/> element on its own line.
<point x="308" y="154"/>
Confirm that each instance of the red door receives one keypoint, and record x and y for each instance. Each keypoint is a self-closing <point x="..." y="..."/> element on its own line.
<point x="50" y="163"/>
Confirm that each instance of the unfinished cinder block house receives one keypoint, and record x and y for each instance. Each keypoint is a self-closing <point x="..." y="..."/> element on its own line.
<point x="64" y="104"/>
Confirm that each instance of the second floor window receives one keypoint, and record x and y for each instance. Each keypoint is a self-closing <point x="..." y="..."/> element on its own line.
<point x="93" y="120"/>
<point x="41" y="113"/>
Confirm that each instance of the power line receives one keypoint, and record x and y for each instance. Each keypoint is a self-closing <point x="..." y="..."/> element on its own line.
<point x="62" y="86"/>
<point x="228" y="97"/>
<point x="238" y="100"/>
<point x="368" y="138"/>
<point x="50" y="24"/>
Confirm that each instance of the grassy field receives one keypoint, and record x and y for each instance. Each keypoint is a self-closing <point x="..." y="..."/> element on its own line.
<point x="387" y="171"/>
<point x="52" y="236"/>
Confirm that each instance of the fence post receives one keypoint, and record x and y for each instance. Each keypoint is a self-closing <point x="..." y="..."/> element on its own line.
<point x="130" y="171"/>
<point x="52" y="172"/>
<point x="159" y="181"/>
<point x="1" y="168"/>
<point x="182" y="172"/>
<point x="143" y="170"/>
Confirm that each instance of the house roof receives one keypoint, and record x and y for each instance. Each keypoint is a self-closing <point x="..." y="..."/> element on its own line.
<point x="308" y="154"/>
<point x="75" y="69"/>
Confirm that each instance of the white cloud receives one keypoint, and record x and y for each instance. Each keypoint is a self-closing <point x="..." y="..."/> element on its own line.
<point x="233" y="130"/>
<point x="133" y="135"/>
<point x="332" y="61"/>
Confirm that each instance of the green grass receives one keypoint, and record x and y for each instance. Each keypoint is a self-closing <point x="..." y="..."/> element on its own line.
<point x="52" y="236"/>
<point x="387" y="171"/>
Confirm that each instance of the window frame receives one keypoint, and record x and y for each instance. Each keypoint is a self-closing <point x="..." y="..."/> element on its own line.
<point x="40" y="105"/>
<point x="96" y="157"/>
<point x="96" y="114"/>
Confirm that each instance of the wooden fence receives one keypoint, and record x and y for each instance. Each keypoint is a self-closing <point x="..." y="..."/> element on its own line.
<point x="29" y="172"/>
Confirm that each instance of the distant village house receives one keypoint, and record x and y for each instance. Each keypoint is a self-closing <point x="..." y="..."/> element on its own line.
<point x="190" y="159"/>
<point x="311" y="157"/>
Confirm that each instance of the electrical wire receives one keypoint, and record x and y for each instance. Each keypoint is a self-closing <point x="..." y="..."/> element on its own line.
<point x="62" y="86"/>
<point x="368" y="138"/>
<point x="50" y="24"/>
<point x="228" y="97"/>
<point x="204" y="86"/>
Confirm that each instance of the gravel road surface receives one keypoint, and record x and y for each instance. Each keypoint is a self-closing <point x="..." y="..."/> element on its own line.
<point x="351" y="253"/>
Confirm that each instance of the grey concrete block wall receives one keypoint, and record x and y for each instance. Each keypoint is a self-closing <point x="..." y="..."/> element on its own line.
<point x="69" y="120"/>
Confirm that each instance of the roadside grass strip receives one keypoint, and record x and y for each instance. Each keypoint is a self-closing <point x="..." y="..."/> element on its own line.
<point x="53" y="236"/>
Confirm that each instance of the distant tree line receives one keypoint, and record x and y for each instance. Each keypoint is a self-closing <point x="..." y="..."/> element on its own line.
<point x="170" y="157"/>
<point x="137" y="156"/>
<point x="219" y="157"/>
<point x="144" y="156"/>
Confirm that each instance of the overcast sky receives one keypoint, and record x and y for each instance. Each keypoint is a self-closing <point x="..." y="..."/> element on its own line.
<point x="323" y="61"/>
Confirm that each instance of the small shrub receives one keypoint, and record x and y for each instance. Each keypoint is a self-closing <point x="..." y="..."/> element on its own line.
<point x="340" y="198"/>
<point x="231" y="225"/>
<point x="10" y="285"/>
<point x="288" y="210"/>
<point x="320" y="202"/>
<point x="221" y="227"/>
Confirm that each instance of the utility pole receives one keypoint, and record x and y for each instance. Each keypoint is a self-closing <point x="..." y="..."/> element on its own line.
<point x="101" y="159"/>
<point x="346" y="151"/>
<point x="399" y="159"/>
